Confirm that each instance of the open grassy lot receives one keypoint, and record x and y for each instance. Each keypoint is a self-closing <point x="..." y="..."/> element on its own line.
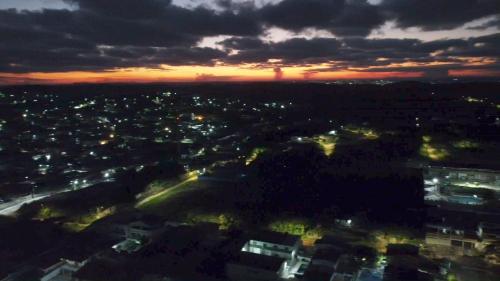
<point x="166" y="190"/>
<point x="191" y="199"/>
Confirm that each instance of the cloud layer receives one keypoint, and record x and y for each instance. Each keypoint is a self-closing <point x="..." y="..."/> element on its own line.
<point x="104" y="35"/>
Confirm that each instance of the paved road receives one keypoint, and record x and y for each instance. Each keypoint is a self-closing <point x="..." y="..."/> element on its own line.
<point x="9" y="208"/>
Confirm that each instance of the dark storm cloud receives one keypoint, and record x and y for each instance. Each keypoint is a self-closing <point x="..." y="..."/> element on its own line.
<point x="104" y="58"/>
<point x="35" y="43"/>
<point x="129" y="9"/>
<point x="242" y="43"/>
<point x="438" y="14"/>
<point x="484" y="46"/>
<point x="395" y="49"/>
<point x="341" y="17"/>
<point x="61" y="40"/>
<point x="106" y="34"/>
<point x="298" y="14"/>
<point x="432" y="69"/>
<point x="188" y="56"/>
<point x="358" y="18"/>
<point x="168" y="18"/>
<point x="361" y="53"/>
<point x="303" y="51"/>
<point x="172" y="55"/>
<point x="293" y="51"/>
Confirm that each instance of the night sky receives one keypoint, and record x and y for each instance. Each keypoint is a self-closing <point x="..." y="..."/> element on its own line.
<point x="66" y="41"/>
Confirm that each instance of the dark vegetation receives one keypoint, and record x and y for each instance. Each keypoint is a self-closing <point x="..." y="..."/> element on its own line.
<point x="21" y="240"/>
<point x="301" y="181"/>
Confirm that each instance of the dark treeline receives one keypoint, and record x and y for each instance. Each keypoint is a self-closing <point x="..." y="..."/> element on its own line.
<point x="302" y="181"/>
<point x="272" y="90"/>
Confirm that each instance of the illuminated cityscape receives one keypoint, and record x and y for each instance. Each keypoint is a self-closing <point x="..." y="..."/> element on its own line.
<point x="134" y="175"/>
<point x="249" y="140"/>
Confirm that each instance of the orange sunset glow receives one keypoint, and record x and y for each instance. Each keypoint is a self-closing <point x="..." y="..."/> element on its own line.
<point x="222" y="73"/>
<point x="201" y="74"/>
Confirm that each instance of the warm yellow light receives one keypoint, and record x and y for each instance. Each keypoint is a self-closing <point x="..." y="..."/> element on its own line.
<point x="327" y="144"/>
<point x="432" y="152"/>
<point x="367" y="133"/>
<point x="256" y="152"/>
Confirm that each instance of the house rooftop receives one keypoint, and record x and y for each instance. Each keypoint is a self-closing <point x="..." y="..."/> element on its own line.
<point x="347" y="265"/>
<point x="495" y="227"/>
<point x="330" y="241"/>
<point x="275" y="238"/>
<point x="150" y="220"/>
<point x="328" y="254"/>
<point x="402" y="249"/>
<point x="469" y="167"/>
<point x="270" y="263"/>
<point x="78" y="248"/>
<point x="106" y="270"/>
<point x="318" y="273"/>
<point x="451" y="218"/>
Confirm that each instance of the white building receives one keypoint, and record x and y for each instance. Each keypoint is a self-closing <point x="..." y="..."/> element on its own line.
<point x="468" y="177"/>
<point x="63" y="270"/>
<point x="273" y="244"/>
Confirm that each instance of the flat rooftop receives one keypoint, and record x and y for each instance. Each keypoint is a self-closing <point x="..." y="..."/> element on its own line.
<point x="275" y="238"/>
<point x="264" y="262"/>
